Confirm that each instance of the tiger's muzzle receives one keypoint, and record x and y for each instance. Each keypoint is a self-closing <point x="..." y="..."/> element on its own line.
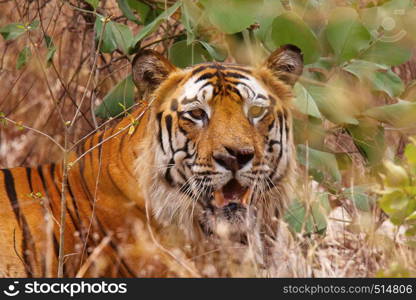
<point x="232" y="194"/>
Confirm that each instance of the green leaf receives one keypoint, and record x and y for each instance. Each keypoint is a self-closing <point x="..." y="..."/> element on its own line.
<point x="331" y="103"/>
<point x="151" y="27"/>
<point x="397" y="205"/>
<point x="232" y="16"/>
<point x="268" y="11"/>
<point x="388" y="82"/>
<point x="93" y="3"/>
<point x="308" y="218"/>
<point x="401" y="114"/>
<point x="23" y="57"/>
<point x="410" y="153"/>
<point x="115" y="35"/>
<point x="369" y="139"/>
<point x="141" y="8"/>
<point x="127" y="11"/>
<point x="288" y="28"/>
<point x="122" y="93"/>
<point x="122" y="35"/>
<point x="381" y="78"/>
<point x="105" y="35"/>
<point x="216" y="54"/>
<point x="345" y="34"/>
<point x="391" y="54"/>
<point x="14" y="30"/>
<point x="51" y="49"/>
<point x="305" y="102"/>
<point x="363" y="69"/>
<point x="318" y="162"/>
<point x="183" y="55"/>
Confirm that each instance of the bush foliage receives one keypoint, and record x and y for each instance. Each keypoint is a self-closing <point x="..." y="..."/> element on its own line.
<point x="350" y="50"/>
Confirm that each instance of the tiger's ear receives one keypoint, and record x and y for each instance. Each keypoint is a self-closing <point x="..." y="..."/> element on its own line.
<point x="286" y="63"/>
<point x="149" y="69"/>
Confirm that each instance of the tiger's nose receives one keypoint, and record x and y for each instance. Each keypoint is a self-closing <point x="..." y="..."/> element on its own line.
<point x="234" y="159"/>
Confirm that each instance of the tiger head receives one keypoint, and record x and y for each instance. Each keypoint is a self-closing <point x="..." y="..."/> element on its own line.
<point x="219" y="148"/>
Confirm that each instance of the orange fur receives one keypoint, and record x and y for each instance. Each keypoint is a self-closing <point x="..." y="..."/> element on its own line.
<point x="115" y="189"/>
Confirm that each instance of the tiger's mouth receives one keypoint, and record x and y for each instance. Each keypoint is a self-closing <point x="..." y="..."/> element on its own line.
<point x="232" y="195"/>
<point x="228" y="210"/>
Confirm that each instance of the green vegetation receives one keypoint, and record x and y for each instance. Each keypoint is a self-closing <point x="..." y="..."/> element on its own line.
<point x="349" y="90"/>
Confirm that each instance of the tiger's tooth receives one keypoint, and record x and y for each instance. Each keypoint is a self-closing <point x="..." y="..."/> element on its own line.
<point x="219" y="199"/>
<point x="246" y="197"/>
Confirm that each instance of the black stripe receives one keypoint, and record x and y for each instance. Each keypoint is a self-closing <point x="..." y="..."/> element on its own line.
<point x="234" y="89"/>
<point x="168" y="120"/>
<point x="21" y="220"/>
<point x="199" y="69"/>
<point x="52" y="172"/>
<point x="50" y="202"/>
<point x="29" y="178"/>
<point x="248" y="87"/>
<point x="206" y="76"/>
<point x="281" y="120"/>
<point x="272" y="143"/>
<point x="271" y="125"/>
<point x="159" y="120"/>
<point x="286" y="127"/>
<point x="181" y="129"/>
<point x="235" y="75"/>
<point x="205" y="85"/>
<point x="100" y="141"/>
<point x="53" y="177"/>
<point x="168" y="175"/>
<point x="11" y="192"/>
<point x="76" y="208"/>
<point x="42" y="178"/>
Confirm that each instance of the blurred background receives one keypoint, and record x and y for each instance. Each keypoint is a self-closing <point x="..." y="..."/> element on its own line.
<point x="66" y="64"/>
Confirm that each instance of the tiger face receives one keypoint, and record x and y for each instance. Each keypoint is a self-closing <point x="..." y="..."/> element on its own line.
<point x="222" y="148"/>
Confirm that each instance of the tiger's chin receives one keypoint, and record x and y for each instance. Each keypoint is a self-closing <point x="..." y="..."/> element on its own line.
<point x="224" y="226"/>
<point x="229" y="214"/>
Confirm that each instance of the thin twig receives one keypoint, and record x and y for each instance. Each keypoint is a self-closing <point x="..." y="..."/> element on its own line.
<point x="34" y="130"/>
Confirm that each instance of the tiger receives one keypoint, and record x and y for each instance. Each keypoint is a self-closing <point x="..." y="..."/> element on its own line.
<point x="207" y="152"/>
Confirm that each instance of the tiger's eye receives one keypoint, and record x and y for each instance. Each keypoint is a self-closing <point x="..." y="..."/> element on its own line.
<point x="198" y="114"/>
<point x="256" y="111"/>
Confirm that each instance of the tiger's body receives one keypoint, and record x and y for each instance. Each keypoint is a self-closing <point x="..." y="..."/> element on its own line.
<point x="30" y="201"/>
<point x="211" y="148"/>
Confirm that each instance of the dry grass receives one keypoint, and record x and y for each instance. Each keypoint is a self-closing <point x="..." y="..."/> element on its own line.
<point x="356" y="244"/>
